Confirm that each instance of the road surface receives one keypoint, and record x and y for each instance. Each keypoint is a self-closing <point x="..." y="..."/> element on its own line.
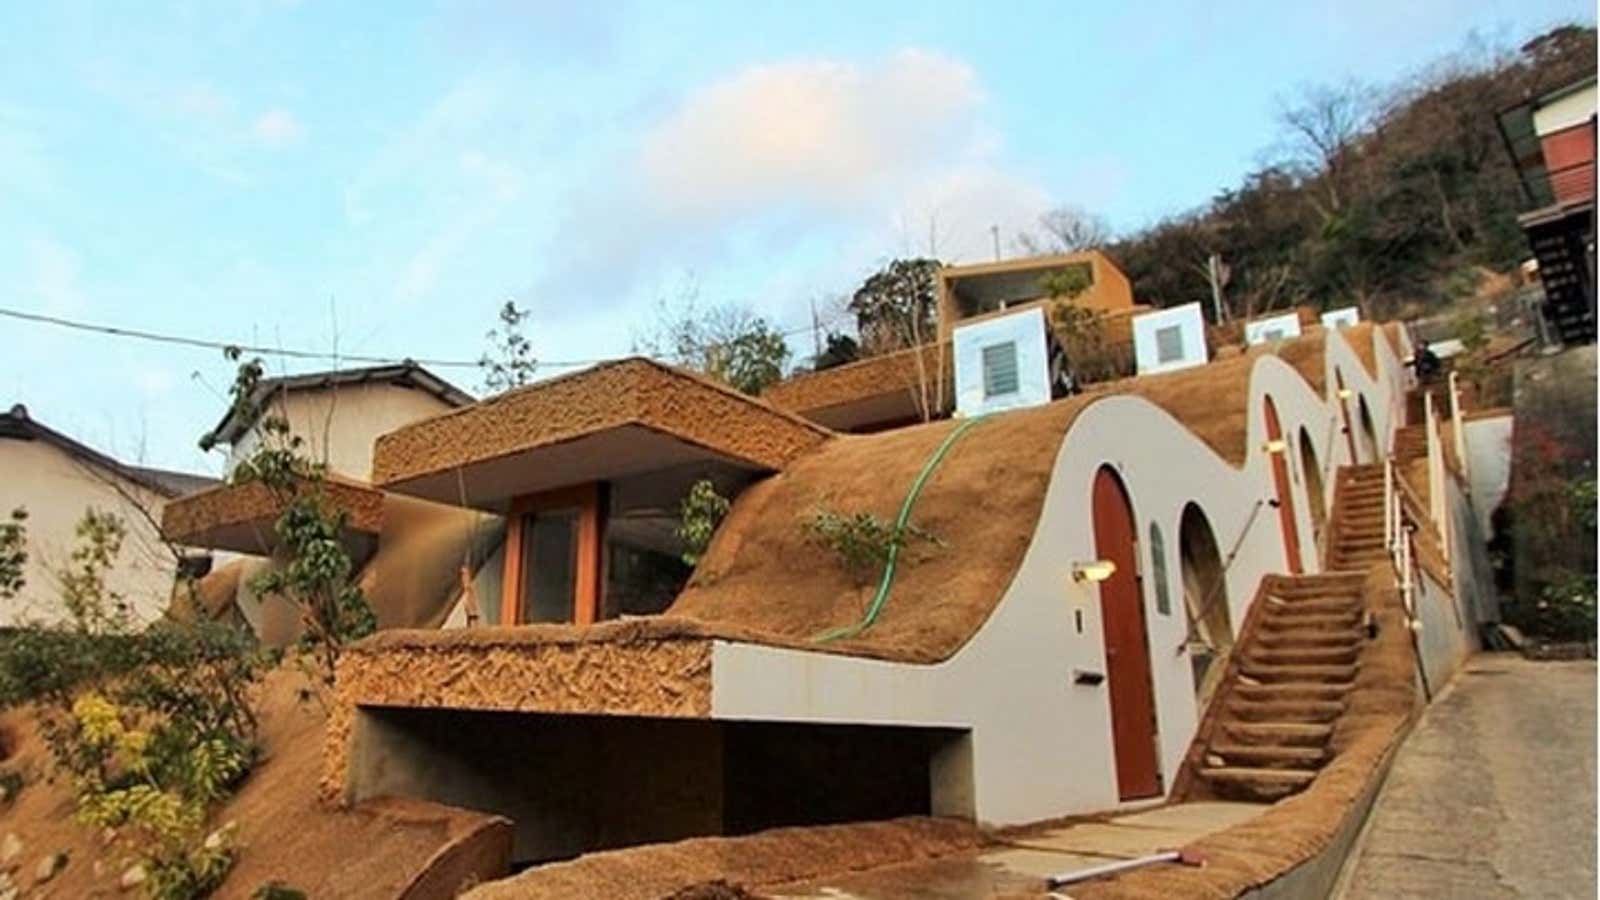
<point x="1493" y="793"/>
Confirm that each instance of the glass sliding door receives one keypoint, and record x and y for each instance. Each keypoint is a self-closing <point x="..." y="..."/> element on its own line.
<point x="550" y="565"/>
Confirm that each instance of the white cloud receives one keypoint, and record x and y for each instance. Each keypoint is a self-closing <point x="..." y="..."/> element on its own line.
<point x="55" y="276"/>
<point x="277" y="128"/>
<point x="824" y="132"/>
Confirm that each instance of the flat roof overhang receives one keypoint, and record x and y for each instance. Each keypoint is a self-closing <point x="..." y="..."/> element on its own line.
<point x="241" y="517"/>
<point x="611" y="421"/>
<point x="877" y="390"/>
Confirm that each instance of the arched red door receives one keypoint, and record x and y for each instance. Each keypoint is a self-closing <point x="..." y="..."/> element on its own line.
<point x="1133" y="710"/>
<point x="1285" y="491"/>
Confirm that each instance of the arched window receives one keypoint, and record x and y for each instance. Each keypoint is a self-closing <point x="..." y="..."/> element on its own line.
<point x="1313" y="481"/>
<point x="1205" y="597"/>
<point x="1158" y="570"/>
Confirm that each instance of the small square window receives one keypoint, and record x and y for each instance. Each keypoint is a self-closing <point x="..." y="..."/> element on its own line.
<point x="1169" y="344"/>
<point x="1000" y="369"/>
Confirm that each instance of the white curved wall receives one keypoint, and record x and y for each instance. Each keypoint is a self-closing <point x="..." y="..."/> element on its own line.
<point x="1040" y="744"/>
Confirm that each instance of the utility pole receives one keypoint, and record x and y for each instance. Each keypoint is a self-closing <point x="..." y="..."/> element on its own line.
<point x="816" y="331"/>
<point x="994" y="231"/>
<point x="1216" y="273"/>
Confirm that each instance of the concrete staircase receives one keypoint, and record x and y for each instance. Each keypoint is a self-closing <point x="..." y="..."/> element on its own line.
<point x="1355" y="538"/>
<point x="1267" y="730"/>
<point x="1272" y="719"/>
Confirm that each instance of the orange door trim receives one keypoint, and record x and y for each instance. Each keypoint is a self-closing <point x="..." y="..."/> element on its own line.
<point x="585" y="498"/>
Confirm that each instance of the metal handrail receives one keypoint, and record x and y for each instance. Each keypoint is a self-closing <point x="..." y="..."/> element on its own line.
<point x="1212" y="596"/>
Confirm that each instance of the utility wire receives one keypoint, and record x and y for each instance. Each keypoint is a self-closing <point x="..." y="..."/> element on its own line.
<point x="186" y="341"/>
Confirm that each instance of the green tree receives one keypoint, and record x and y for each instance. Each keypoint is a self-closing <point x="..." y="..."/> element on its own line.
<point x="13" y="553"/>
<point x="729" y="342"/>
<point x="896" y="306"/>
<point x="510" y="362"/>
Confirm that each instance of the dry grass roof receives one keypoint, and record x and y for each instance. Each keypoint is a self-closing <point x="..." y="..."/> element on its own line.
<point x="240" y="517"/>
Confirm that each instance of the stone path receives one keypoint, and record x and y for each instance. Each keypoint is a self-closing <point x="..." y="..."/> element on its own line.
<point x="1493" y="793"/>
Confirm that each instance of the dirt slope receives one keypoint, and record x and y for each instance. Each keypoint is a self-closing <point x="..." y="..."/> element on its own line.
<point x="374" y="850"/>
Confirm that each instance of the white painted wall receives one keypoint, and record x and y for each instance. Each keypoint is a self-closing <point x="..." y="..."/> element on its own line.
<point x="1489" y="464"/>
<point x="1272" y="328"/>
<point x="1025" y="331"/>
<point x="57" y="489"/>
<point x="1145" y="346"/>
<point x="1573" y="109"/>
<point x="339" y="424"/>
<point x="1040" y="744"/>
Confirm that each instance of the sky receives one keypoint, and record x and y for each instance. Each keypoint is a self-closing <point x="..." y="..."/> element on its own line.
<point x="379" y="178"/>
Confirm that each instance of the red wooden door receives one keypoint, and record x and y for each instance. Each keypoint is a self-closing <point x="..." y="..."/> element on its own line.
<point x="1133" y="710"/>
<point x="1285" y="491"/>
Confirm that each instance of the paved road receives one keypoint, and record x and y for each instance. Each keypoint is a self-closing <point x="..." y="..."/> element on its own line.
<point x="1493" y="794"/>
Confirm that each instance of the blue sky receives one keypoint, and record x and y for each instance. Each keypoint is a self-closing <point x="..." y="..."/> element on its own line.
<point x="380" y="177"/>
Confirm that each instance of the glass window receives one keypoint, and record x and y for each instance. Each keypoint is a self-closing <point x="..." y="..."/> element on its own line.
<point x="1000" y="369"/>
<point x="550" y="565"/>
<point x="1158" y="570"/>
<point x="1169" y="344"/>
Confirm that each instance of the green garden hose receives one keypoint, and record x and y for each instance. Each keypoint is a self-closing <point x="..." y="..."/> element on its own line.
<point x="900" y="523"/>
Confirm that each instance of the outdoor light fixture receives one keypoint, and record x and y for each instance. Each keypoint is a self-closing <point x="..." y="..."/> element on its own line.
<point x="1345" y="393"/>
<point x="1098" y="570"/>
<point x="1276" y="445"/>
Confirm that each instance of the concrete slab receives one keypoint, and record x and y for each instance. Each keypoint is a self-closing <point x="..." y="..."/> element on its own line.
<point x="1022" y="864"/>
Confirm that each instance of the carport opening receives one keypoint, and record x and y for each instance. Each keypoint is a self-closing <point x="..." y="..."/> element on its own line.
<point x="576" y="783"/>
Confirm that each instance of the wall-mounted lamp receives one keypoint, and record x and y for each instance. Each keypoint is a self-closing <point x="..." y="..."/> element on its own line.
<point x="1276" y="445"/>
<point x="1345" y="393"/>
<point x="1096" y="571"/>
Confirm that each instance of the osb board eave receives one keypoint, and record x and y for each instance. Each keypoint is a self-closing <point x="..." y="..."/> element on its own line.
<point x="190" y="518"/>
<point x="630" y="392"/>
<point x="663" y="678"/>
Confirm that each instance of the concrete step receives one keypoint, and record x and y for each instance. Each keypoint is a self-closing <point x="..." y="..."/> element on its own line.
<point x="1257" y="783"/>
<point x="1297" y="734"/>
<point x="1284" y="710"/>
<point x="1342" y="585"/>
<point x="1269" y="673"/>
<point x="1267" y="756"/>
<point x="1307" y="606"/>
<point x="1291" y="690"/>
<point x="1329" y="623"/>
<point x="1308" y="637"/>
<point x="1303" y="656"/>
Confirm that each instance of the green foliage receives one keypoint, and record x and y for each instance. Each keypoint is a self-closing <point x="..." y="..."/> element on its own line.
<point x="152" y="726"/>
<point x="839" y="350"/>
<point x="729" y="343"/>
<point x="90" y="603"/>
<point x="13" y="553"/>
<point x="313" y="570"/>
<point x="895" y="307"/>
<point x="861" y="540"/>
<point x="700" y="513"/>
<point x="1067" y="282"/>
<point x="277" y="890"/>
<point x="511" y="363"/>
<point x="11" y="784"/>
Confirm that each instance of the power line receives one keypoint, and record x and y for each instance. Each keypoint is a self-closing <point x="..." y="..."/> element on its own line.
<point x="209" y="344"/>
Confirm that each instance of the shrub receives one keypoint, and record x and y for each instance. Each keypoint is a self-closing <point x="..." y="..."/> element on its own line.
<point x="861" y="540"/>
<point x="13" y="553"/>
<point x="152" y="727"/>
<point x="702" y="510"/>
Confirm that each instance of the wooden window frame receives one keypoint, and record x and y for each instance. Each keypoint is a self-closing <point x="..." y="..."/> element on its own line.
<point x="586" y="576"/>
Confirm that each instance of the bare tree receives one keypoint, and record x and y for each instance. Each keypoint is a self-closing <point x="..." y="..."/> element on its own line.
<point x="1322" y="125"/>
<point x="728" y="342"/>
<point x="1065" y="229"/>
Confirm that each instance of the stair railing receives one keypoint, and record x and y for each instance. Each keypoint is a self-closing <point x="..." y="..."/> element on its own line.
<point x="1216" y="592"/>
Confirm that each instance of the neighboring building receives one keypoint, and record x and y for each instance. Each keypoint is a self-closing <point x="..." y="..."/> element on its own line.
<point x="967" y="291"/>
<point x="57" y="479"/>
<point x="339" y="413"/>
<point x="907" y="386"/>
<point x="1552" y="142"/>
